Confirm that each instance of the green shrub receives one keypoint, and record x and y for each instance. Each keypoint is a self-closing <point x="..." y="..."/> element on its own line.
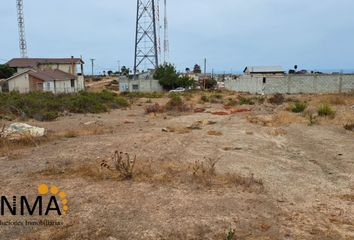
<point x="176" y="103"/>
<point x="143" y="95"/>
<point x="325" y="110"/>
<point x="232" y="102"/>
<point x="205" y="98"/>
<point x="216" y="98"/>
<point x="298" y="107"/>
<point x="44" y="106"/>
<point x="246" y="101"/>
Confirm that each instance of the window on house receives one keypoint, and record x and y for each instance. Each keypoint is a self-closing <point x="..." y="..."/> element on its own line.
<point x="47" y="86"/>
<point x="72" y="82"/>
<point x="264" y="80"/>
<point x="135" y="87"/>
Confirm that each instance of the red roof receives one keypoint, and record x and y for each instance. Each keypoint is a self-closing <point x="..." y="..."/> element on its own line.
<point x="49" y="75"/>
<point x="34" y="62"/>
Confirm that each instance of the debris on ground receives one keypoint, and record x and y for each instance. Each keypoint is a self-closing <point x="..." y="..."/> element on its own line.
<point x="199" y="110"/>
<point x="240" y="110"/>
<point x="180" y="130"/>
<point x="214" y="133"/>
<point x="18" y="130"/>
<point x="200" y="124"/>
<point x="128" y="122"/>
<point x="97" y="123"/>
<point x="220" y="113"/>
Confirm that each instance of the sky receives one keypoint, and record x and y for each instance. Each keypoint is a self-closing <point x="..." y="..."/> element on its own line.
<point x="231" y="34"/>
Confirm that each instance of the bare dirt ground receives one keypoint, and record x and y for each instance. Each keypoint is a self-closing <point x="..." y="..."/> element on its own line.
<point x="306" y="174"/>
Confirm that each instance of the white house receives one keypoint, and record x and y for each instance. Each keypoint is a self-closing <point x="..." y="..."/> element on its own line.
<point x="57" y="75"/>
<point x="55" y="81"/>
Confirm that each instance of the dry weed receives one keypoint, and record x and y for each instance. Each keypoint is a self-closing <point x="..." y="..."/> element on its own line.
<point x="122" y="163"/>
<point x="155" y="108"/>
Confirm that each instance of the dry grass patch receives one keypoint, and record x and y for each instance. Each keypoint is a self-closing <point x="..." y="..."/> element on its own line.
<point x="122" y="167"/>
<point x="337" y="99"/>
<point x="10" y="146"/>
<point x="277" y="119"/>
<point x="347" y="197"/>
<point x="85" y="131"/>
<point x="349" y="126"/>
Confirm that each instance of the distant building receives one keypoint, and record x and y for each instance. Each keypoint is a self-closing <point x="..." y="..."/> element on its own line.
<point x="270" y="80"/>
<point x="142" y="82"/>
<point x="252" y="70"/>
<point x="68" y="65"/>
<point x="55" y="81"/>
<point x="57" y="75"/>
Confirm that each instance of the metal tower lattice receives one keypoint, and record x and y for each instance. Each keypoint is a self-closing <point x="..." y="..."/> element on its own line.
<point x="21" y="28"/>
<point x="146" y="42"/>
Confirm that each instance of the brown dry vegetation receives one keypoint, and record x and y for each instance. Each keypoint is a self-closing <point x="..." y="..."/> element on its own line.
<point x="258" y="171"/>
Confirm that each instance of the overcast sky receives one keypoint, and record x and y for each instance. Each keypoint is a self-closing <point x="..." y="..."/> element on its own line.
<point x="314" y="34"/>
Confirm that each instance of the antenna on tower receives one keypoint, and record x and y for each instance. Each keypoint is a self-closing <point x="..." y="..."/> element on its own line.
<point x="21" y="28"/>
<point x="146" y="50"/>
<point x="166" y="41"/>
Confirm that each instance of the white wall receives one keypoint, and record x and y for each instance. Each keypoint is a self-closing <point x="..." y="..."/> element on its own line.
<point x="127" y="85"/>
<point x="19" y="83"/>
<point x="310" y="83"/>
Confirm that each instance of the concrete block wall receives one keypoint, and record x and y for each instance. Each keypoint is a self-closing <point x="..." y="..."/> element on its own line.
<point x="293" y="84"/>
<point x="148" y="85"/>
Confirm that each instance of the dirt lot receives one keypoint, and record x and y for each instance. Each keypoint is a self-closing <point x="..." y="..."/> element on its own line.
<point x="278" y="175"/>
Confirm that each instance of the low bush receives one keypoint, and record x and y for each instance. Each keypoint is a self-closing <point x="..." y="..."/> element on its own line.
<point x="277" y="99"/>
<point x="325" y="110"/>
<point x="298" y="106"/>
<point x="349" y="126"/>
<point x="154" y="108"/>
<point x="143" y="95"/>
<point x="204" y="98"/>
<point x="177" y="104"/>
<point x="245" y="101"/>
<point x="44" y="106"/>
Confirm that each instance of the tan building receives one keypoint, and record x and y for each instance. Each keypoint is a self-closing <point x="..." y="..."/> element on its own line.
<point x="68" y="65"/>
<point x="55" y="81"/>
<point x="57" y="75"/>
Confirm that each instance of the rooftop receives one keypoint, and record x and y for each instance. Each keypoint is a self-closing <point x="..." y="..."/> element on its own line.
<point x="47" y="75"/>
<point x="264" y="69"/>
<point x="34" y="62"/>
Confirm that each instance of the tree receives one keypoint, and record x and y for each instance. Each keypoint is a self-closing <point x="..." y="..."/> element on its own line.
<point x="6" y="71"/>
<point x="188" y="70"/>
<point x="197" y="69"/>
<point x="185" y="81"/>
<point x="169" y="79"/>
<point x="110" y="72"/>
<point x="210" y="83"/>
<point x="125" y="71"/>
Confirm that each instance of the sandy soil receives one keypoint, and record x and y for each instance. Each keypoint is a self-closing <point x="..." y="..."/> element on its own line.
<point x="307" y="172"/>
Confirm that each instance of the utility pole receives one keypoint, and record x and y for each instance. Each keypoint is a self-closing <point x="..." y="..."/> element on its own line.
<point x="92" y="65"/>
<point x="119" y="66"/>
<point x="146" y="42"/>
<point x="205" y="66"/>
<point x="21" y="28"/>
